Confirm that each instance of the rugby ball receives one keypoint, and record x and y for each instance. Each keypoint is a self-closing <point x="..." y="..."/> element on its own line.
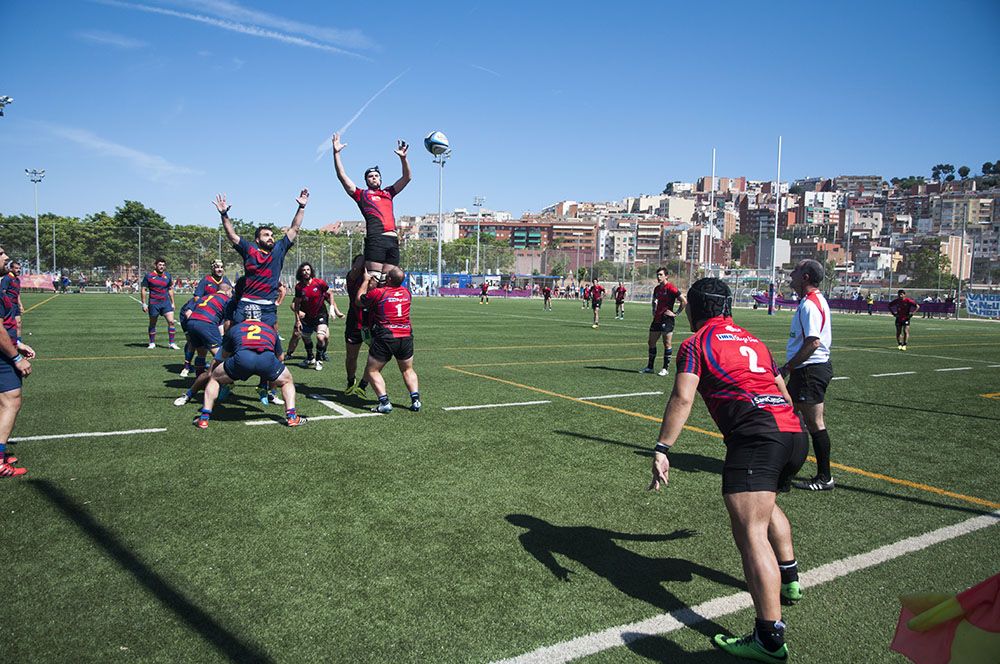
<point x="436" y="143"/>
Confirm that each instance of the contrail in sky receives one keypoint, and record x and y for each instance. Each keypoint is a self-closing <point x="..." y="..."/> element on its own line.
<point x="325" y="145"/>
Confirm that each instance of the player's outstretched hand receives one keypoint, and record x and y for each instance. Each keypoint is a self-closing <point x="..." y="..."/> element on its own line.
<point x="337" y="145"/>
<point x="220" y="204"/>
<point x="401" y="148"/>
<point x="661" y="471"/>
<point x="303" y="198"/>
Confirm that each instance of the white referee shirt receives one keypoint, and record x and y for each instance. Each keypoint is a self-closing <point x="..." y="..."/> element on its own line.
<point x="812" y="319"/>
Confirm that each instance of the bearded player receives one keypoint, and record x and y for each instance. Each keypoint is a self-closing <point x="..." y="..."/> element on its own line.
<point x="157" y="298"/>
<point x="311" y="316"/>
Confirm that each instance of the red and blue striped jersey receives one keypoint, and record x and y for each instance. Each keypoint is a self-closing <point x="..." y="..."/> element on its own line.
<point x="159" y="286"/>
<point x="736" y="374"/>
<point x="250" y="335"/>
<point x="7" y="314"/>
<point x="262" y="268"/>
<point x="376" y="206"/>
<point x="10" y="286"/>
<point x="210" y="308"/>
<point x="209" y="284"/>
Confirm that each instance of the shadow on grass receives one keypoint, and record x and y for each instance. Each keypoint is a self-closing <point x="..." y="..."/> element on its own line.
<point x="692" y="463"/>
<point x="635" y="575"/>
<point x="912" y="499"/>
<point x="225" y="642"/>
<point x="932" y="411"/>
<point x="662" y="649"/>
<point x="628" y="371"/>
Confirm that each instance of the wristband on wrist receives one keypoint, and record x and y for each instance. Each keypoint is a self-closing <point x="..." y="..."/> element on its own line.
<point x="17" y="358"/>
<point x="661" y="448"/>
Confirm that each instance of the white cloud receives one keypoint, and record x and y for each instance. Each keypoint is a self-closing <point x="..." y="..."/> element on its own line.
<point x="110" y="39"/>
<point x="153" y="167"/>
<point x="233" y="26"/>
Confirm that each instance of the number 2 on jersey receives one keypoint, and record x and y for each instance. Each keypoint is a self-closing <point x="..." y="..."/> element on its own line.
<point x="751" y="355"/>
<point x="253" y="332"/>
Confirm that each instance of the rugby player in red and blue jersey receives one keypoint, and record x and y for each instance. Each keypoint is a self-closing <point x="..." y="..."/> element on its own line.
<point x="204" y="321"/>
<point x="392" y="336"/>
<point x="249" y="349"/>
<point x="10" y="288"/>
<point x="765" y="446"/>
<point x="157" y="295"/>
<point x="14" y="366"/>
<point x="376" y="204"/>
<point x="212" y="281"/>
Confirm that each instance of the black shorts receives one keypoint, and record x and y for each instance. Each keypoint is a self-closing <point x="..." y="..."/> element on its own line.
<point x="382" y="249"/>
<point x="766" y="462"/>
<point x="384" y="349"/>
<point x="900" y="324"/>
<point x="353" y="336"/>
<point x="808" y="384"/>
<point x="595" y="304"/>
<point x="664" y="325"/>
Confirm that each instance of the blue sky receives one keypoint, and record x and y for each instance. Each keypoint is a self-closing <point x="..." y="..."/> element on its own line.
<point x="170" y="101"/>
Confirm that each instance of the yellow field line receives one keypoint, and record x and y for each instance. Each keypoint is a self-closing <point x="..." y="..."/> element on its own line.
<point x="532" y="362"/>
<point x="715" y="434"/>
<point x="991" y="395"/>
<point x="38" y="304"/>
<point x="101" y="357"/>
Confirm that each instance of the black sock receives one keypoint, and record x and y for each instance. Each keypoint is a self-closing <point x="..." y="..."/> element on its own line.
<point x="309" y="349"/>
<point x="363" y="384"/>
<point x="666" y="357"/>
<point x="770" y="633"/>
<point x="652" y="358"/>
<point x="789" y="570"/>
<point x="414" y="396"/>
<point x="821" y="445"/>
<point x="383" y="399"/>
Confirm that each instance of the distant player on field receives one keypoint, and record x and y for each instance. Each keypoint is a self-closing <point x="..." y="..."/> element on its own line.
<point x="903" y="309"/>
<point x="311" y="316"/>
<point x="596" y="298"/>
<point x="484" y="293"/>
<point x="665" y="295"/>
<point x="157" y="296"/>
<point x="250" y="349"/>
<point x="586" y="297"/>
<point x="376" y="204"/>
<point x="619" y="293"/>
<point x="546" y="298"/>
<point x="392" y="336"/>
<point x="765" y="446"/>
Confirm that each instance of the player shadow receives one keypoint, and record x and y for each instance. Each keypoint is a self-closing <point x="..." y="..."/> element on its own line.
<point x="932" y="411"/>
<point x="628" y="371"/>
<point x="197" y="619"/>
<point x="175" y="368"/>
<point x="661" y="649"/>
<point x="910" y="499"/>
<point x="635" y="575"/>
<point x="686" y="461"/>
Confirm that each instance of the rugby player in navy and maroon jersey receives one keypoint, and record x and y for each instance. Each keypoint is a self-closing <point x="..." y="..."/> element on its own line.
<point x="309" y="304"/>
<point x="665" y="295"/>
<point x="619" y="293"/>
<point x="357" y="327"/>
<point x="249" y="349"/>
<point x="392" y="336"/>
<point x="903" y="309"/>
<point x="157" y="295"/>
<point x="211" y="282"/>
<point x="10" y="288"/>
<point x="14" y="366"/>
<point x="596" y="298"/>
<point x="376" y="204"/>
<point x="203" y="325"/>
<point x="546" y="298"/>
<point x="765" y="446"/>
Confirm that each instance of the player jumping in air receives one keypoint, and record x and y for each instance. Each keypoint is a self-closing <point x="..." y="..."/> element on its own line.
<point x="765" y="446"/>
<point x="376" y="204"/>
<point x="311" y="316"/>
<point x="665" y="294"/>
<point x="903" y="309"/>
<point x="158" y="287"/>
<point x="392" y="336"/>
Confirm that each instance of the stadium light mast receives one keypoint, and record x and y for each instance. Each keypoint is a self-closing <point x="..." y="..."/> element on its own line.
<point x="961" y="269"/>
<point x="711" y="216"/>
<point x="36" y="176"/>
<point x="4" y="101"/>
<point x="477" y="203"/>
<point x="774" y="245"/>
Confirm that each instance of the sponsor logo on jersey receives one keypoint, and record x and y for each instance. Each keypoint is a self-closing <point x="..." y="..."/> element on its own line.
<point x="762" y="400"/>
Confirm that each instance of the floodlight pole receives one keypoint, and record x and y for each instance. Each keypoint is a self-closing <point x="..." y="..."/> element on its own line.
<point x="774" y="245"/>
<point x="36" y="176"/>
<point x="440" y="160"/>
<point x="477" y="202"/>
<point x="711" y="216"/>
<point x="961" y="270"/>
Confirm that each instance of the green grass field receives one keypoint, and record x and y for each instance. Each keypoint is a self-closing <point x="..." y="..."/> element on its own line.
<point x="445" y="536"/>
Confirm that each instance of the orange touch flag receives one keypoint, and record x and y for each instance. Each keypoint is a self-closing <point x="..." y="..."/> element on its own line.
<point x="945" y="629"/>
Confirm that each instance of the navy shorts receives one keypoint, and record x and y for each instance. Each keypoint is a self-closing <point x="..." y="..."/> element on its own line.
<point x="246" y="363"/>
<point x="10" y="377"/>
<point x="267" y="313"/>
<point x="160" y="309"/>
<point x="766" y="462"/>
<point x="203" y="335"/>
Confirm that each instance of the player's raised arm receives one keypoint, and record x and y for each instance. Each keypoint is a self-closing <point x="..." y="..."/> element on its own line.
<point x="300" y="214"/>
<point x="674" y="416"/>
<point x="227" y="225"/>
<point x="363" y="289"/>
<point x="338" y="165"/>
<point x="401" y="149"/>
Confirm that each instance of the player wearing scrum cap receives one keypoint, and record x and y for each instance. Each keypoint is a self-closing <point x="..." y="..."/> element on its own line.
<point x="211" y="282"/>
<point x="376" y="204"/>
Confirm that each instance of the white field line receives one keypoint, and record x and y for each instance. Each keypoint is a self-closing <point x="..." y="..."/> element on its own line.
<point x="91" y="434"/>
<point x="617" y="396"/>
<point x="332" y="406"/>
<point x="994" y="366"/>
<point x="722" y="606"/>
<point x="841" y="378"/>
<point x="496" y="405"/>
<point x="955" y="369"/>
<point x="352" y="416"/>
<point x="132" y="298"/>
<point x="912" y="354"/>
<point x="897" y="373"/>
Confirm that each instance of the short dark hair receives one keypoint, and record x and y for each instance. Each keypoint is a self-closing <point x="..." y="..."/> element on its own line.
<point x="663" y="270"/>
<point x="298" y="272"/>
<point x="901" y="292"/>
<point x="813" y="270"/>
<point x="262" y="227"/>
<point x="160" y="260"/>
<point x="395" y="276"/>
<point x="708" y="298"/>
